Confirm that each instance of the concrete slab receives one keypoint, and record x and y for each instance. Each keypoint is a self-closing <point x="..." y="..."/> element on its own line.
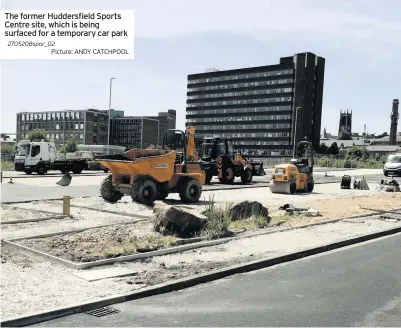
<point x="99" y="274"/>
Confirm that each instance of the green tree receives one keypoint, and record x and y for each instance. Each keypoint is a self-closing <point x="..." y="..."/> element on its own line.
<point x="7" y="148"/>
<point x="356" y="152"/>
<point x="333" y="149"/>
<point x="344" y="135"/>
<point x="37" y="135"/>
<point x="69" y="147"/>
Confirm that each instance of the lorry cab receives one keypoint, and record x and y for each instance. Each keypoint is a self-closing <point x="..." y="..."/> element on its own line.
<point x="34" y="156"/>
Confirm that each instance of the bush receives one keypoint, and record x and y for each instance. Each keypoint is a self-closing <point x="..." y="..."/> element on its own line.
<point x="7" y="166"/>
<point x="69" y="147"/>
<point x="218" y="220"/>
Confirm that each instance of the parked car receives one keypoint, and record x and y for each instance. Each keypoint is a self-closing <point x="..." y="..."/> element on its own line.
<point x="393" y="165"/>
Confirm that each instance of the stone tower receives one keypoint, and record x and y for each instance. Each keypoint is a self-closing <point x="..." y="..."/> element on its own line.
<point x="345" y="122"/>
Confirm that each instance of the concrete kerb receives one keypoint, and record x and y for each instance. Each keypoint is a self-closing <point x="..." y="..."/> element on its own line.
<point x="58" y="217"/>
<point x="195" y="244"/>
<point x="100" y="210"/>
<point x="76" y="230"/>
<point x="191" y="281"/>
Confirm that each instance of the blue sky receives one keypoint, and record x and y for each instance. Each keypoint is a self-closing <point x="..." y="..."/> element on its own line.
<point x="173" y="38"/>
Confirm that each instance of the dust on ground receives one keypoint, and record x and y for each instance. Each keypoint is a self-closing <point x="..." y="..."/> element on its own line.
<point x="12" y="213"/>
<point x="344" y="207"/>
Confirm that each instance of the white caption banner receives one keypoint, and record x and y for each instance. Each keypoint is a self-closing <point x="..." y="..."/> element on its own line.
<point x="66" y="34"/>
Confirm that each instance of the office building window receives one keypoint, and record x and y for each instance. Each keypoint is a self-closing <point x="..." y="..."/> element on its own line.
<point x="76" y="126"/>
<point x="57" y="126"/>
<point x="82" y="126"/>
<point x="81" y="136"/>
<point x="53" y="116"/>
<point x="22" y="117"/>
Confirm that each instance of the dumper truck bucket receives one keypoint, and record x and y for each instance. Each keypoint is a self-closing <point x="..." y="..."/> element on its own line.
<point x="65" y="180"/>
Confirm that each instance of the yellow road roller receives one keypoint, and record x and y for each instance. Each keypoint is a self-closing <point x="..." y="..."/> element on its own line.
<point x="296" y="176"/>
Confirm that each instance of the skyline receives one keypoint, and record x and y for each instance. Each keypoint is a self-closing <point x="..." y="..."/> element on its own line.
<point x="355" y="37"/>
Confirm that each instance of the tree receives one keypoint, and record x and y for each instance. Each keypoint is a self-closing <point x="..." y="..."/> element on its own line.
<point x="357" y="153"/>
<point x="37" y="135"/>
<point x="384" y="134"/>
<point x="333" y="149"/>
<point x="344" y="135"/>
<point x="323" y="148"/>
<point x="69" y="147"/>
<point x="7" y="149"/>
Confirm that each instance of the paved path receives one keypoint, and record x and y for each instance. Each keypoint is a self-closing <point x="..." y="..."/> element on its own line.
<point x="355" y="286"/>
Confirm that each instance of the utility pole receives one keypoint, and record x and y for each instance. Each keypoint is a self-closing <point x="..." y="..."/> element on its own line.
<point x="108" y="126"/>
<point x="295" y="139"/>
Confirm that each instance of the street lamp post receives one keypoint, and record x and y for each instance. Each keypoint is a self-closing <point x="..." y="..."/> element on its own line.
<point x="108" y="130"/>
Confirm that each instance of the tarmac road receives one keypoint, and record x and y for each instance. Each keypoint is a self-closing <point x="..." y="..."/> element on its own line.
<point x="354" y="286"/>
<point x="20" y="191"/>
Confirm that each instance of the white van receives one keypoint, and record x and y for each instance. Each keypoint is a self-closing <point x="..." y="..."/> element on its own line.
<point x="393" y="165"/>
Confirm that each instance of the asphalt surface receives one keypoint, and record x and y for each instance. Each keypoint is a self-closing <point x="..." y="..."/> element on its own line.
<point x="20" y="192"/>
<point x="355" y="286"/>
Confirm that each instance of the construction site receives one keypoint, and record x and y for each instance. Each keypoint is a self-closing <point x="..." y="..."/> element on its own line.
<point x="161" y="215"/>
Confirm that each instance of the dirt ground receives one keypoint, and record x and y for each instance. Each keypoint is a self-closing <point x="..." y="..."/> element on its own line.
<point x="345" y="207"/>
<point x="125" y="239"/>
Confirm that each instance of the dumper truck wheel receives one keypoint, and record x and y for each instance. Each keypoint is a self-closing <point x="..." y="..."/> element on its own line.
<point x="190" y="191"/>
<point x="107" y="191"/>
<point x="145" y="192"/>
<point x="228" y="176"/>
<point x="246" y="176"/>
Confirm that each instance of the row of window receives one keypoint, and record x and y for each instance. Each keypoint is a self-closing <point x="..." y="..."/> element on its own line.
<point x="239" y="118"/>
<point x="240" y="110"/>
<point x="241" y="76"/>
<point x="248" y="135"/>
<point x="52" y="116"/>
<point x="239" y="102"/>
<point x="261" y="143"/>
<point x="57" y="136"/>
<point x="241" y="85"/>
<point x="267" y="152"/>
<point x="241" y="93"/>
<point x="57" y="126"/>
<point x="244" y="126"/>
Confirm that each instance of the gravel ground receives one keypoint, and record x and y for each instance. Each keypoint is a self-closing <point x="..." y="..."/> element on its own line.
<point x="11" y="213"/>
<point x="30" y="284"/>
<point x="82" y="219"/>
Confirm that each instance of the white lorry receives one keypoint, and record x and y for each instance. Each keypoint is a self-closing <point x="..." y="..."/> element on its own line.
<point x="42" y="156"/>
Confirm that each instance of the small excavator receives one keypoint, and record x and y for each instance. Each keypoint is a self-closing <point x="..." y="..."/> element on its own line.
<point x="296" y="176"/>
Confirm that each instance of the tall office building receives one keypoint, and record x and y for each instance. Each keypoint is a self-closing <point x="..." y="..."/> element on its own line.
<point x="167" y="120"/>
<point x="88" y="126"/>
<point x="256" y="106"/>
<point x="134" y="132"/>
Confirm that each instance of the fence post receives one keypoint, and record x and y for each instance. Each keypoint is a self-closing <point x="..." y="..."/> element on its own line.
<point x="66" y="205"/>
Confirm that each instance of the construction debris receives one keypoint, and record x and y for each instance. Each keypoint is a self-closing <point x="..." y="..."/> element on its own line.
<point x="179" y="220"/>
<point x="346" y="182"/>
<point x="246" y="209"/>
<point x="361" y="184"/>
<point x="390" y="185"/>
